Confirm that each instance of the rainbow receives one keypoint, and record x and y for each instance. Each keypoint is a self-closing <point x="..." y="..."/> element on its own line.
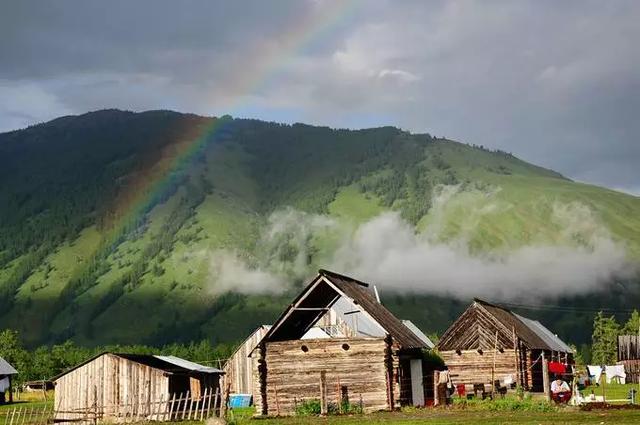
<point x="149" y="187"/>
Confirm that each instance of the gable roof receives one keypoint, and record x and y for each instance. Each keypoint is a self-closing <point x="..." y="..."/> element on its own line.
<point x="416" y="330"/>
<point x="169" y="364"/>
<point x="6" y="368"/>
<point x="533" y="333"/>
<point x="318" y="297"/>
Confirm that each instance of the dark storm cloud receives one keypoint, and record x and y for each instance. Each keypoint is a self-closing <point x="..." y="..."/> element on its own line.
<point x="556" y="83"/>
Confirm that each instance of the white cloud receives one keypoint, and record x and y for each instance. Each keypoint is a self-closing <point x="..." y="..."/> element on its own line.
<point x="399" y="74"/>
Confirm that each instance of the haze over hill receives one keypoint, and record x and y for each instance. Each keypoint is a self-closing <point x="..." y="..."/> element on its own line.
<point x="160" y="226"/>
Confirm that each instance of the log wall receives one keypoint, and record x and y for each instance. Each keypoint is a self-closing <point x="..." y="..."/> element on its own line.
<point x="239" y="369"/>
<point x="293" y="375"/>
<point x="471" y="367"/>
<point x="110" y="384"/>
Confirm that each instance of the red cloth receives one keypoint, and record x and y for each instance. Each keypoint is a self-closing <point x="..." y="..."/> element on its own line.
<point x="557" y="367"/>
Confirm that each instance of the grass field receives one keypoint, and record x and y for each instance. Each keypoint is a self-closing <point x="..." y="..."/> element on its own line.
<point x="439" y="416"/>
<point x="611" y="391"/>
<point x="457" y="416"/>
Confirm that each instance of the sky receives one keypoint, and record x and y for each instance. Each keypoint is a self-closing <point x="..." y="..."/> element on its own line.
<point x="555" y="83"/>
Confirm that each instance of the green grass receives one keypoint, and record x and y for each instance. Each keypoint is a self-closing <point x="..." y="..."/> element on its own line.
<point x="353" y="205"/>
<point x="611" y="391"/>
<point x="455" y="416"/>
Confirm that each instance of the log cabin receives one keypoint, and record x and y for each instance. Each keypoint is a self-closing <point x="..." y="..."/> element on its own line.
<point x="6" y="374"/>
<point x="490" y="343"/>
<point x="122" y="385"/>
<point x="372" y="359"/>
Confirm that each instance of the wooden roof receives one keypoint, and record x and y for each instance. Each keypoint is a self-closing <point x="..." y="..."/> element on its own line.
<point x="476" y="328"/>
<point x="169" y="364"/>
<point x="323" y="291"/>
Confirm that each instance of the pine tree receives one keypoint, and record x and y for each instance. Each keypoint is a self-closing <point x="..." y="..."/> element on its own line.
<point x="605" y="339"/>
<point x="631" y="327"/>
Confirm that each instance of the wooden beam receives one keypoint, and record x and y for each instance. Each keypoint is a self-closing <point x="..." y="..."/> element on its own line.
<point x="310" y="308"/>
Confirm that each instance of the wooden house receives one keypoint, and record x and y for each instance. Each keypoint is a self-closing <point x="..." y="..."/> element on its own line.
<point x="629" y="356"/>
<point x="489" y="343"/>
<point x="6" y="373"/>
<point x="130" y="385"/>
<point x="375" y="361"/>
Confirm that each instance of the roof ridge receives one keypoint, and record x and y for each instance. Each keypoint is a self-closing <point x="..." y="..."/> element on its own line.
<point x="329" y="274"/>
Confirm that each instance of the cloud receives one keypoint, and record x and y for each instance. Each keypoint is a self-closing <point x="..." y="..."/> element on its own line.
<point x="556" y="84"/>
<point x="282" y="257"/>
<point x="387" y="251"/>
<point x="229" y="273"/>
<point x="399" y="74"/>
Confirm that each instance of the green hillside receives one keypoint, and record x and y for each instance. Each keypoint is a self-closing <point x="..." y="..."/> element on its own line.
<point x="119" y="227"/>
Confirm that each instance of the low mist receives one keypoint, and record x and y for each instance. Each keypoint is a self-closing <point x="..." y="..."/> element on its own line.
<point x="389" y="252"/>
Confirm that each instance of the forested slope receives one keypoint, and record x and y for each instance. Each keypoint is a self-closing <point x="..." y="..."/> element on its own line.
<point x="119" y="227"/>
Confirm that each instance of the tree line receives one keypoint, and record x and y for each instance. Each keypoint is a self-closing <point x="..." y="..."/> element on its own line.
<point x="606" y="329"/>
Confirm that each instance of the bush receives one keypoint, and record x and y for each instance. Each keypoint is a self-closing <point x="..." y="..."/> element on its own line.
<point x="308" y="408"/>
<point x="312" y="408"/>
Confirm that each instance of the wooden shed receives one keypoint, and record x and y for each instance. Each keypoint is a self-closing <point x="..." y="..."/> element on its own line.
<point x="489" y="343"/>
<point x="629" y="356"/>
<point x="378" y="365"/>
<point x="130" y="385"/>
<point x="6" y="373"/>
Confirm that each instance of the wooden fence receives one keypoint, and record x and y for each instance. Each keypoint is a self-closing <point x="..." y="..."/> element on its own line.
<point x="177" y="407"/>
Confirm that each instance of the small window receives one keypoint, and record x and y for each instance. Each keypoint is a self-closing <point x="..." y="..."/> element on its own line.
<point x="458" y="352"/>
<point x="304" y="348"/>
<point x="345" y="347"/>
<point x="480" y="351"/>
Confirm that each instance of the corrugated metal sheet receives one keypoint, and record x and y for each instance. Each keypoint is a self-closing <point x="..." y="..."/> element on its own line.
<point x="553" y="342"/>
<point x="6" y="368"/>
<point x="186" y="364"/>
<point x="416" y="330"/>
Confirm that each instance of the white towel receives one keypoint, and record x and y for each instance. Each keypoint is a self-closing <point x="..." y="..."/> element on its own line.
<point x="595" y="372"/>
<point x="616" y="373"/>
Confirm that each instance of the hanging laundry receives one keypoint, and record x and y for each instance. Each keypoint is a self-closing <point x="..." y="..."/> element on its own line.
<point x="557" y="367"/>
<point x="616" y="373"/>
<point x="594" y="373"/>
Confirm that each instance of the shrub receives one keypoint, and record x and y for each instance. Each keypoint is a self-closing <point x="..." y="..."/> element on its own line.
<point x="308" y="408"/>
<point x="506" y="404"/>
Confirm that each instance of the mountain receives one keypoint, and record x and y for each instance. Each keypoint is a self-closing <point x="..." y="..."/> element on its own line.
<point x="121" y="227"/>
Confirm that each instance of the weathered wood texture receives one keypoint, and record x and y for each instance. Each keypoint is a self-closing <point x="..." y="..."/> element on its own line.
<point x="239" y="369"/>
<point x="111" y="384"/>
<point x="471" y="367"/>
<point x="476" y="328"/>
<point x="628" y="347"/>
<point x="293" y="373"/>
<point x="632" y="369"/>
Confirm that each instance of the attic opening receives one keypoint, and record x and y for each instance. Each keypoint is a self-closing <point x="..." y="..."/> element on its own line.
<point x="326" y="307"/>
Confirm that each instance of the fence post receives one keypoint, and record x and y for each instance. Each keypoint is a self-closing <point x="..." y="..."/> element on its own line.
<point x="209" y="401"/>
<point x="191" y="406"/>
<point x="323" y="393"/>
<point x="173" y="400"/>
<point x="184" y="408"/>
<point x="216" y="403"/>
<point x="203" y="403"/>
<point x="545" y="377"/>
